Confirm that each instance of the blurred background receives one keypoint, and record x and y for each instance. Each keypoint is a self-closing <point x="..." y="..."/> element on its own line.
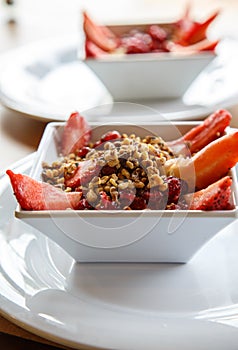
<point x="23" y="21"/>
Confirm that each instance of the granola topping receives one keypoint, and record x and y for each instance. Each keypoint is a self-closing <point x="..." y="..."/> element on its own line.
<point x="126" y="173"/>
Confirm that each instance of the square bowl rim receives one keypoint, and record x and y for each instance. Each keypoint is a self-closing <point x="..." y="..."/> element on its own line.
<point x="151" y="57"/>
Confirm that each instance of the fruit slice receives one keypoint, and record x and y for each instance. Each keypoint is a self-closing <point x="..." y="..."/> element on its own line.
<point x="203" y="45"/>
<point x="198" y="137"/>
<point x="84" y="173"/>
<point x="35" y="195"/>
<point x="196" y="31"/>
<point x="208" y="165"/>
<point x="217" y="196"/>
<point x="187" y="31"/>
<point x="76" y="134"/>
<point x="93" y="51"/>
<point x="99" y="35"/>
<point x="215" y="160"/>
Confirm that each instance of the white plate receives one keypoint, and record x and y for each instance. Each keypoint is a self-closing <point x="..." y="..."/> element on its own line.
<point x="46" y="81"/>
<point x="117" y="306"/>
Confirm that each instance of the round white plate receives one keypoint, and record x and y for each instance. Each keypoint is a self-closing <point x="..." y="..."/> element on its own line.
<point x="45" y="80"/>
<point x="117" y="306"/>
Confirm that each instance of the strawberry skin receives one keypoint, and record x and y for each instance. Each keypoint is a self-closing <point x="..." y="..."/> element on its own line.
<point x="217" y="196"/>
<point x="93" y="51"/>
<point x="35" y="195"/>
<point x="84" y="173"/>
<point x="76" y="134"/>
<point x="101" y="36"/>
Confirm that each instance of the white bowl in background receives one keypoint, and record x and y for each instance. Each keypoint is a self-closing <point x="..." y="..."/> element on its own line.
<point x="148" y="76"/>
<point x="132" y="77"/>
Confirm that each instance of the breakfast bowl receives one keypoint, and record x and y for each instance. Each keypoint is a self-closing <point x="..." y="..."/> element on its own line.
<point x="105" y="233"/>
<point x="147" y="61"/>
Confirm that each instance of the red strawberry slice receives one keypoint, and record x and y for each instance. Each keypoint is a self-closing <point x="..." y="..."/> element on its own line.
<point x="35" y="195"/>
<point x="197" y="31"/>
<point x="101" y="36"/>
<point x="93" y="51"/>
<point x="217" y="196"/>
<point x="76" y="134"/>
<point x="203" y="45"/>
<point x="198" y="137"/>
<point x="84" y="173"/>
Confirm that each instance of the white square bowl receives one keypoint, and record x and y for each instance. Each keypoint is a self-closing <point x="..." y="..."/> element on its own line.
<point x="146" y="76"/>
<point x="126" y="236"/>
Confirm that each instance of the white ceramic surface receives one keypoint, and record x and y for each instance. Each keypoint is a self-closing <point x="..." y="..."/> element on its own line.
<point x="148" y="76"/>
<point x="46" y="81"/>
<point x="117" y="306"/>
<point x="122" y="235"/>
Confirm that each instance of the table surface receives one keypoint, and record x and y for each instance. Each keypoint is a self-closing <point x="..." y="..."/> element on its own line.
<point x="20" y="134"/>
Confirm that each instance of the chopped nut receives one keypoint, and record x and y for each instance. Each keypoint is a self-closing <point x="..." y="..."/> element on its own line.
<point x="113" y="163"/>
<point x="107" y="188"/>
<point x="109" y="146"/>
<point x="129" y="164"/>
<point x="104" y="179"/>
<point x="114" y="176"/>
<point x="125" y="173"/>
<point x="144" y="155"/>
<point x="60" y="180"/>
<point x="163" y="187"/>
<point x="55" y="164"/>
<point x="98" y="189"/>
<point x="147" y="163"/>
<point x="126" y="141"/>
<point x="91" y="196"/>
<point x="123" y="185"/>
<point x="45" y="165"/>
<point x="55" y="172"/>
<point x="102" y="162"/>
<point x="132" y="136"/>
<point x="114" y="193"/>
<point x="49" y="173"/>
<point x="68" y="189"/>
<point x="113" y="182"/>
<point x="156" y="180"/>
<point x="136" y="154"/>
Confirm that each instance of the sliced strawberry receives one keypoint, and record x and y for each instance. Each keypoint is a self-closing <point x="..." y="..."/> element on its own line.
<point x="184" y="24"/>
<point x="35" y="195"/>
<point x="203" y="45"/>
<point x="197" y="31"/>
<point x="101" y="36"/>
<point x="84" y="173"/>
<point x="198" y="137"/>
<point x="217" y="196"/>
<point x="93" y="51"/>
<point x="189" y="32"/>
<point x="76" y="134"/>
